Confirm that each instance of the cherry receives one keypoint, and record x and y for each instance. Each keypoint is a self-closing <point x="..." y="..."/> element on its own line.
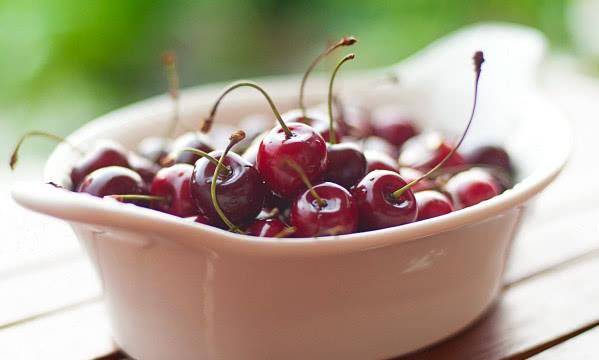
<point x="174" y="185"/>
<point x="105" y="153"/>
<point x="323" y="128"/>
<point x="393" y="125"/>
<point x="324" y="209"/>
<point x="424" y="151"/>
<point x="112" y="180"/>
<point x="385" y="199"/>
<point x="346" y="164"/>
<point x="271" y="227"/>
<point x="492" y="156"/>
<point x="472" y="186"/>
<point x="377" y="205"/>
<point x="376" y="160"/>
<point x="193" y="140"/>
<point x="232" y="195"/>
<point x="431" y="204"/>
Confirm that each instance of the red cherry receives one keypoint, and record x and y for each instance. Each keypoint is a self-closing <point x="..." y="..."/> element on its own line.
<point x="378" y="207"/>
<point x="424" y="151"/>
<point x="305" y="147"/>
<point x="174" y="185"/>
<point x="271" y="227"/>
<point x="112" y="180"/>
<point x="392" y="124"/>
<point x="492" y="156"/>
<point x="322" y="127"/>
<point x="472" y="186"/>
<point x="346" y="164"/>
<point x="431" y="204"/>
<point x="332" y="212"/>
<point x="376" y="160"/>
<point x="240" y="189"/>
<point x="194" y="140"/>
<point x="105" y="153"/>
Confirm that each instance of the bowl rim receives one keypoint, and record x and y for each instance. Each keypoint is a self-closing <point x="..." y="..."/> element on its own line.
<point x="81" y="208"/>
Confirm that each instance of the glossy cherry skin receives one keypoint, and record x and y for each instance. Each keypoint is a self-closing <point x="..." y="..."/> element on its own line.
<point x="338" y="216"/>
<point x="240" y="193"/>
<point x="425" y="151"/>
<point x="392" y="124"/>
<point x="470" y="187"/>
<point x="144" y="167"/>
<point x="409" y="175"/>
<point x="194" y="140"/>
<point x="270" y="227"/>
<point x="492" y="156"/>
<point x="174" y="184"/>
<point x="376" y="160"/>
<point x="105" y="153"/>
<point x="305" y="147"/>
<point x="154" y="148"/>
<point x="346" y="164"/>
<point x="112" y="180"/>
<point x="431" y="204"/>
<point x="377" y="207"/>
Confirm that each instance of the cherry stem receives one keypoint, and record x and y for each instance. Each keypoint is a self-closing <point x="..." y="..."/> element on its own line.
<point x="235" y="137"/>
<point x="14" y="156"/>
<point x="298" y="169"/>
<point x="345" y="41"/>
<point x="137" y="197"/>
<point x="285" y="232"/>
<point x="207" y="124"/>
<point x="332" y="135"/>
<point x="169" y="59"/>
<point x="478" y="59"/>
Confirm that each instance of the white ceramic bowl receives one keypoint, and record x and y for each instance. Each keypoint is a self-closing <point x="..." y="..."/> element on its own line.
<point x="179" y="290"/>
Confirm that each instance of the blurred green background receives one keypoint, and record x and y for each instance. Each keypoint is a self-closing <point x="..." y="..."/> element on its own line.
<point x="64" y="62"/>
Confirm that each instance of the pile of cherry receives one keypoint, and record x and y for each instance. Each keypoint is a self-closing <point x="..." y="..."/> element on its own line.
<point x="315" y="173"/>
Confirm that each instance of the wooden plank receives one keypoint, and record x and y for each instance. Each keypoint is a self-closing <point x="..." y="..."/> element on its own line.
<point x="582" y="347"/>
<point x="529" y="315"/>
<point x="80" y="333"/>
<point x="47" y="289"/>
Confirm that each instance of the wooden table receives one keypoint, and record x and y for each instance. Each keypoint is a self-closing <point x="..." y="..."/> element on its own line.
<point x="50" y="301"/>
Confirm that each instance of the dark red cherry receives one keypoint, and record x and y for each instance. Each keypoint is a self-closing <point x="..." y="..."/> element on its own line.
<point x="112" y="180"/>
<point x="425" y="151"/>
<point x="270" y="227"/>
<point x="174" y="185"/>
<point x="194" y="140"/>
<point x="492" y="156"/>
<point x="346" y="164"/>
<point x="378" y="207"/>
<point x="154" y="148"/>
<point x="105" y="153"/>
<point x="431" y="204"/>
<point x="392" y="124"/>
<point x="470" y="187"/>
<point x="337" y="215"/>
<point x="409" y="175"/>
<point x="240" y="190"/>
<point x="376" y="160"/>
<point x="144" y="167"/>
<point x="304" y="146"/>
